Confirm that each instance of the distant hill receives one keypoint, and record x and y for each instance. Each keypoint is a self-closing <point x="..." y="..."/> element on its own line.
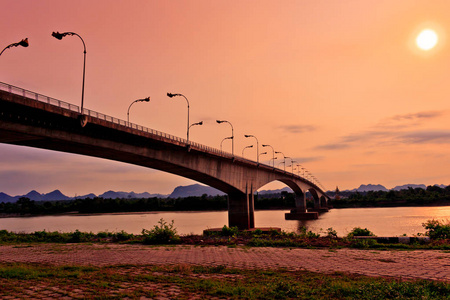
<point x="186" y="191"/>
<point x="130" y="195"/>
<point x="407" y="186"/>
<point x="278" y="191"/>
<point x="194" y="190"/>
<point x="371" y="187"/>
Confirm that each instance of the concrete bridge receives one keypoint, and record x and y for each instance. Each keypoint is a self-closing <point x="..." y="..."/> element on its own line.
<point x="34" y="120"/>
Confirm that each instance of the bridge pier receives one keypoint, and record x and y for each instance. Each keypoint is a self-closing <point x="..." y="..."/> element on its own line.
<point x="319" y="205"/>
<point x="300" y="212"/>
<point x="241" y="212"/>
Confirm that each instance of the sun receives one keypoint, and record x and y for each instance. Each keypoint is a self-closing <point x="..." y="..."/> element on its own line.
<point x="427" y="39"/>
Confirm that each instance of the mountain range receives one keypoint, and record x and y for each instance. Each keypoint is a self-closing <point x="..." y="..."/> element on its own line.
<point x="184" y="191"/>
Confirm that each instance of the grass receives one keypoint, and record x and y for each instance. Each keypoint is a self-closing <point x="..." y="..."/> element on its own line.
<point x="164" y="233"/>
<point x="185" y="282"/>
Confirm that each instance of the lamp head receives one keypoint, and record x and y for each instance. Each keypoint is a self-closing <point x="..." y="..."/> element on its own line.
<point x="58" y="35"/>
<point x="170" y="95"/>
<point x="200" y="123"/>
<point x="265" y="145"/>
<point x="24" y="42"/>
<point x="218" y="121"/>
<point x="146" y="99"/>
<point x="247" y="135"/>
<point x="277" y="152"/>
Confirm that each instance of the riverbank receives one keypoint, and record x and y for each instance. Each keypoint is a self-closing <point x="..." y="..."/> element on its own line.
<point x="68" y="271"/>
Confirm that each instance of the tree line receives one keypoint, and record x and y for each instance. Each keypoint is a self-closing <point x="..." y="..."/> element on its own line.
<point x="432" y="195"/>
<point x="25" y="206"/>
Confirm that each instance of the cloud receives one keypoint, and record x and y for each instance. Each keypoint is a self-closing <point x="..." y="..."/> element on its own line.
<point x="335" y="146"/>
<point x="393" y="131"/>
<point x="302" y="160"/>
<point x="409" y="120"/>
<point x="426" y="137"/>
<point x="298" y="128"/>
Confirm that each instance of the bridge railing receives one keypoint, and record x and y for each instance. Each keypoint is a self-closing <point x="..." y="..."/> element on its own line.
<point x="52" y="101"/>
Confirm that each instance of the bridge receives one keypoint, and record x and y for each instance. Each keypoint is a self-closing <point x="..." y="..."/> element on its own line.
<point x="34" y="120"/>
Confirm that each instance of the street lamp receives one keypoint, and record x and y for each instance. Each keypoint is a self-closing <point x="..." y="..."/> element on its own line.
<point x="251" y="146"/>
<point x="23" y="43"/>
<point x="170" y="95"/>
<point x="273" y="154"/>
<point x="198" y="123"/>
<point x="227" y="138"/>
<point x="284" y="158"/>
<point x="273" y="163"/>
<point x="232" y="133"/>
<point x="139" y="100"/>
<point x="257" y="146"/>
<point x="298" y="169"/>
<point x="261" y="154"/>
<point x="292" y="164"/>
<point x="59" y="36"/>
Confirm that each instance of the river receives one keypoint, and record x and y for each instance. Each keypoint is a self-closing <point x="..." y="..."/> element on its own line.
<point x="392" y="221"/>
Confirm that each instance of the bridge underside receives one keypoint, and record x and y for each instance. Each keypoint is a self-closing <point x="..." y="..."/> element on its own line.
<point x="35" y="124"/>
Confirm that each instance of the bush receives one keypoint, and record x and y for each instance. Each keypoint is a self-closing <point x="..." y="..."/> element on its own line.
<point x="80" y="237"/>
<point x="331" y="233"/>
<point x="161" y="234"/>
<point x="123" y="236"/>
<point x="437" y="229"/>
<point x="229" y="231"/>
<point x="358" y="231"/>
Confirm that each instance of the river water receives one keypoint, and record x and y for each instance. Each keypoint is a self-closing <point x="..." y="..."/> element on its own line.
<point x="393" y="221"/>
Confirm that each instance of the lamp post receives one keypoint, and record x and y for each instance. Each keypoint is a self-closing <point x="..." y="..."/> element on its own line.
<point x="257" y="146"/>
<point x="298" y="169"/>
<point x="273" y="163"/>
<point x="250" y="146"/>
<point x="273" y="154"/>
<point x="59" y="36"/>
<point x="227" y="138"/>
<point x="139" y="100"/>
<point x="232" y="133"/>
<point x="170" y="95"/>
<point x="195" y="124"/>
<point x="261" y="154"/>
<point x="283" y="157"/>
<point x="292" y="165"/>
<point x="23" y="43"/>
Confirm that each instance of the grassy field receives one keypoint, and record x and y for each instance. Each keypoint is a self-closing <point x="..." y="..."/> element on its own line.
<point x="190" y="282"/>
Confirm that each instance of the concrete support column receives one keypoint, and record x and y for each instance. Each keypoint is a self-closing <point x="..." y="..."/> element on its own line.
<point x="241" y="211"/>
<point x="300" y="203"/>
<point x="316" y="202"/>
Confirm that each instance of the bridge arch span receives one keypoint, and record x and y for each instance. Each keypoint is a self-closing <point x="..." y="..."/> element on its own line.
<point x="26" y="121"/>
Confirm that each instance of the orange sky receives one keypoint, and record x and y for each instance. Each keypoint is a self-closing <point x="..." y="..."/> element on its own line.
<point x="337" y="85"/>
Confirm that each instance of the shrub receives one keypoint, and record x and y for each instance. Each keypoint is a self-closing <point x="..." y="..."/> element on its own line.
<point x="80" y="237"/>
<point x="331" y="233"/>
<point x="437" y="229"/>
<point x="358" y="231"/>
<point x="162" y="233"/>
<point x="123" y="236"/>
<point x="229" y="231"/>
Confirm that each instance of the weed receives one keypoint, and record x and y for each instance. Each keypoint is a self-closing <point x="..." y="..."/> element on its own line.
<point x="437" y="229"/>
<point x="358" y="231"/>
<point x="162" y="233"/>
